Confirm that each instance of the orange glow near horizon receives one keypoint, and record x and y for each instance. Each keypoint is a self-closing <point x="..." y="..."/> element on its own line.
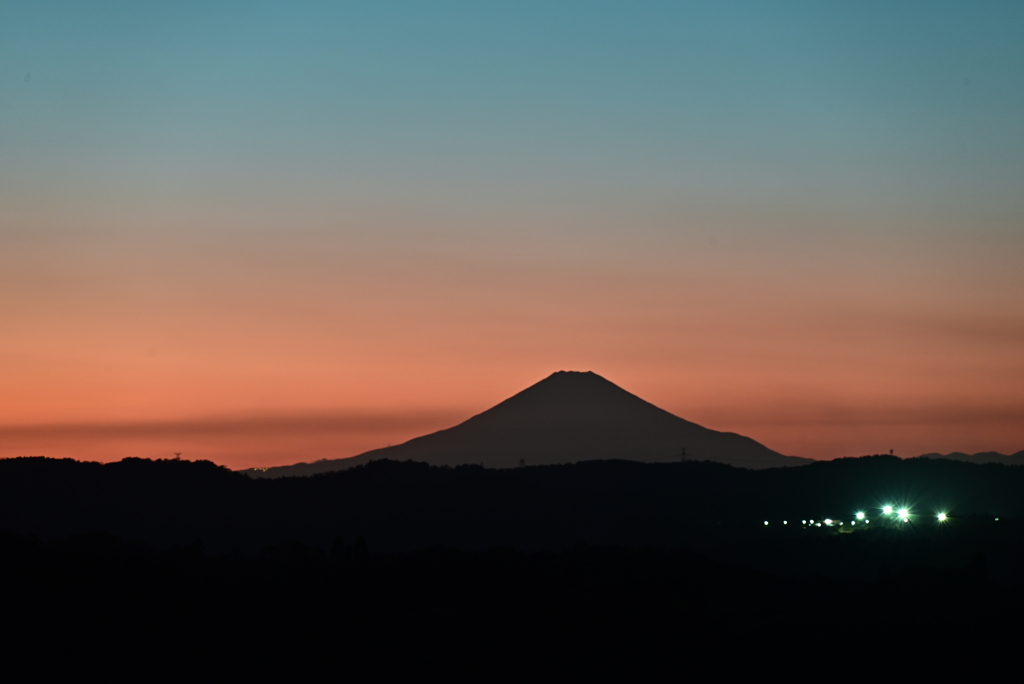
<point x="801" y="225"/>
<point x="856" y="350"/>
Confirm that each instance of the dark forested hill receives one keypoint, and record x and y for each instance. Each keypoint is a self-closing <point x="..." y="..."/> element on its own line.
<point x="399" y="506"/>
<point x="398" y="568"/>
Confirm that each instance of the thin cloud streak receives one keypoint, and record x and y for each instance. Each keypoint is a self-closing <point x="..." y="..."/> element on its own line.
<point x="894" y="416"/>
<point x="238" y="442"/>
<point x="290" y="425"/>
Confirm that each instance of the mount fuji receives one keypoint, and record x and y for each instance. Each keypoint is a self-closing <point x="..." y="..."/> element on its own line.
<point x="566" y="418"/>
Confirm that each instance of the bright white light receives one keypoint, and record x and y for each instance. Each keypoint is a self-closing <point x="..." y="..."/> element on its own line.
<point x="785" y="522"/>
<point x="819" y="524"/>
<point x="887" y="510"/>
<point x="828" y="521"/>
<point x="860" y="516"/>
<point x="805" y="522"/>
<point x="904" y="513"/>
<point x="765" y="522"/>
<point x="942" y="517"/>
<point x="852" y="522"/>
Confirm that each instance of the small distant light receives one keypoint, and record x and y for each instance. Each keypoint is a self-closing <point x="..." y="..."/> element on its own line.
<point x="942" y="517"/>
<point x="804" y="522"/>
<point x="828" y="521"/>
<point x="853" y="522"/>
<point x="765" y="522"/>
<point x="997" y="519"/>
<point x="866" y="522"/>
<point x="818" y="525"/>
<point x="785" y="522"/>
<point x="860" y="516"/>
<point x="887" y="510"/>
<point x="904" y="513"/>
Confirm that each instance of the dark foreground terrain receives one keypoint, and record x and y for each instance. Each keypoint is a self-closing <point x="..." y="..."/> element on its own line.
<point x="397" y="569"/>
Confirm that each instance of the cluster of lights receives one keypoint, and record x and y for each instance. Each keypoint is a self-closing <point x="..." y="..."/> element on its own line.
<point x="901" y="514"/>
<point x="827" y="522"/>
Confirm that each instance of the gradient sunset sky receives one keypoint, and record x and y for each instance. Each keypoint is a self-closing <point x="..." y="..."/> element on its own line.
<point x="263" y="233"/>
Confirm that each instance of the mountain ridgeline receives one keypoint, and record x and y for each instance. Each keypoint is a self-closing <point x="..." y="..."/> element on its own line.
<point x="568" y="417"/>
<point x="981" y="457"/>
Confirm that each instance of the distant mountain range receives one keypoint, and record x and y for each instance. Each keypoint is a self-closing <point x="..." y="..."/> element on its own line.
<point x="566" y="418"/>
<point x="982" y="457"/>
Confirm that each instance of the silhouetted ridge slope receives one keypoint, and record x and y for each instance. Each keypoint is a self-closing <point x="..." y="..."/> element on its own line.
<point x="566" y="418"/>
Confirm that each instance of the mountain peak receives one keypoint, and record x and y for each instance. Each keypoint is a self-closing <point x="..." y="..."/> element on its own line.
<point x="573" y="376"/>
<point x="565" y="394"/>
<point x="567" y="417"/>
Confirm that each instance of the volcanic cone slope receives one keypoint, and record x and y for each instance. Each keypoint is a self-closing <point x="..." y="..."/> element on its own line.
<point x="566" y="418"/>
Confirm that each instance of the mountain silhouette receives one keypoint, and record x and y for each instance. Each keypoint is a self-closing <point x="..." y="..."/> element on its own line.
<point x="982" y="457"/>
<point x="566" y="418"/>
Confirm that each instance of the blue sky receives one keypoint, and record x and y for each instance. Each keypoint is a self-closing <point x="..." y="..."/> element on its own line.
<point x="898" y="105"/>
<point x="333" y="206"/>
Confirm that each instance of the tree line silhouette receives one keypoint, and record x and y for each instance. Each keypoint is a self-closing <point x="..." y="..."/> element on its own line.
<point x="397" y="569"/>
<point x="400" y="506"/>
